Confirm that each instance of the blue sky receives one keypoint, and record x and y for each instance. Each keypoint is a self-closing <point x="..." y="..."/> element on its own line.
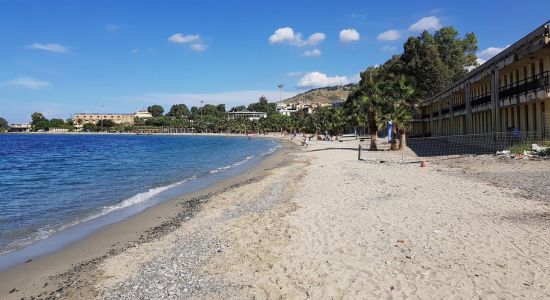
<point x="62" y="57"/>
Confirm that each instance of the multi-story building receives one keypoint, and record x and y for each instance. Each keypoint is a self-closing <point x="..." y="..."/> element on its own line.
<point x="509" y="91"/>
<point x="80" y="119"/>
<point x="87" y="118"/>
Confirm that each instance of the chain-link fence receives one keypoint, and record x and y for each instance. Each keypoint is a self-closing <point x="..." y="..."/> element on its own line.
<point x="444" y="147"/>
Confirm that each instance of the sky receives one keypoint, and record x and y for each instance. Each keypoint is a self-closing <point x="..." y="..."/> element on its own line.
<point x="63" y="57"/>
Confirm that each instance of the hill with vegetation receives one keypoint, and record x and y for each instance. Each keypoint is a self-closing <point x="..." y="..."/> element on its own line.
<point x="323" y="95"/>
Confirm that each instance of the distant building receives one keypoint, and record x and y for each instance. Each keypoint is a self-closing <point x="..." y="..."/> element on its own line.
<point x="80" y="119"/>
<point x="251" y="115"/>
<point x="20" y="127"/>
<point x="58" y="129"/>
<point x="338" y="103"/>
<point x="143" y="114"/>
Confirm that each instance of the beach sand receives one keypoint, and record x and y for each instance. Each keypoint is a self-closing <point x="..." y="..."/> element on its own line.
<point x="316" y="223"/>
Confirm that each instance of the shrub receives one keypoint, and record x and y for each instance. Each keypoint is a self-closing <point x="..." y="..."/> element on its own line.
<point x="520" y="148"/>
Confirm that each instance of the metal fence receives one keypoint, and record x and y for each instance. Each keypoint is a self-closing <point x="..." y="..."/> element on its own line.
<point x="444" y="147"/>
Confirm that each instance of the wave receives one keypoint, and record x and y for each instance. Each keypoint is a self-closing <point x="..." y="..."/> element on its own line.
<point x="45" y="232"/>
<point x="217" y="170"/>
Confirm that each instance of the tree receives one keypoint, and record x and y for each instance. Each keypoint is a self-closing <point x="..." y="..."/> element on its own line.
<point x="37" y="117"/>
<point x="105" y="123"/>
<point x="156" y="110"/>
<point x="238" y="108"/>
<point x="3" y="124"/>
<point x="89" y="127"/>
<point x="179" y="111"/>
<point x="435" y="61"/>
<point x="264" y="106"/>
<point x="57" y="123"/>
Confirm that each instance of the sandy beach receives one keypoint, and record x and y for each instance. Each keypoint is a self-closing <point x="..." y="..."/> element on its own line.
<point x="316" y="223"/>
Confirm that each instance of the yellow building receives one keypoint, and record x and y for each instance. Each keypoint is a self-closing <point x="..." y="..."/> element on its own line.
<point x="511" y="90"/>
<point x="80" y="119"/>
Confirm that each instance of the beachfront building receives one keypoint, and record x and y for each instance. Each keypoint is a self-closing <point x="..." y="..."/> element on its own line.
<point x="251" y="115"/>
<point x="143" y="114"/>
<point x="511" y="90"/>
<point x="80" y="119"/>
<point x="20" y="127"/>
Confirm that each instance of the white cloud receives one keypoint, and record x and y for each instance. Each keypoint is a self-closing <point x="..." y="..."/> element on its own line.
<point x="49" y="47"/>
<point x="389" y="35"/>
<point x="488" y="53"/>
<point x="198" y="47"/>
<point x="193" y="40"/>
<point x="179" y="38"/>
<point x="26" y="82"/>
<point x="314" y="52"/>
<point x="286" y="35"/>
<point x="317" y="79"/>
<point x="349" y="35"/>
<point x="135" y="50"/>
<point x="388" y="49"/>
<point x="355" y="78"/>
<point x="426" y="23"/>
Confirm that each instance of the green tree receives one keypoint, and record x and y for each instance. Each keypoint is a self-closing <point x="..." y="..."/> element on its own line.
<point x="57" y="123"/>
<point x="435" y="61"/>
<point x="105" y="123"/>
<point x="178" y="111"/>
<point x="156" y="110"/>
<point x="263" y="105"/>
<point x="3" y="124"/>
<point x="37" y="117"/>
<point x="238" y="108"/>
<point x="89" y="127"/>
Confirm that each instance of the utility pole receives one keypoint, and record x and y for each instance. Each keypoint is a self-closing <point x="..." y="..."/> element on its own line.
<point x="101" y="112"/>
<point x="281" y="87"/>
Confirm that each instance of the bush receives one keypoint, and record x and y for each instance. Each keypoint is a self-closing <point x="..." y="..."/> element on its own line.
<point x="520" y="148"/>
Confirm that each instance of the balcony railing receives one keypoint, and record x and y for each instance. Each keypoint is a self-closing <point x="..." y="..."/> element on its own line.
<point x="459" y="107"/>
<point x="445" y="111"/>
<point x="481" y="99"/>
<point x="532" y="84"/>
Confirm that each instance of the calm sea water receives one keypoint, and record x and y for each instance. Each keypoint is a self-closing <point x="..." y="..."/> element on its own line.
<point x="49" y="182"/>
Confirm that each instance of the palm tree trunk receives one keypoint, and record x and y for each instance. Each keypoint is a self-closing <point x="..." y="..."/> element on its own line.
<point x="373" y="129"/>
<point x="402" y="139"/>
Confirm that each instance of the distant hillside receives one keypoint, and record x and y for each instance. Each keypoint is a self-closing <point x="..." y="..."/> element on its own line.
<point x="323" y="95"/>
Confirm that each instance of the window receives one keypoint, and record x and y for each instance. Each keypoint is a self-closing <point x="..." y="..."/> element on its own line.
<point x="517" y="76"/>
<point x="505" y="80"/>
<point x="541" y="66"/>
<point x="533" y="69"/>
<point x="525" y="72"/>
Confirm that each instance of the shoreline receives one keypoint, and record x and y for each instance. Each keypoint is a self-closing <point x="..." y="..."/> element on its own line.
<point x="42" y="273"/>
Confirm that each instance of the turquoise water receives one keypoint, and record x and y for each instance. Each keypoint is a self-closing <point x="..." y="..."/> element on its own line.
<point x="52" y="182"/>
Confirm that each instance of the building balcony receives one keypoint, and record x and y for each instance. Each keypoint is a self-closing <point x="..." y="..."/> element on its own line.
<point x="481" y="100"/>
<point x="528" y="85"/>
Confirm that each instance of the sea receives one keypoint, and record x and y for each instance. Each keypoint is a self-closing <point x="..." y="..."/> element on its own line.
<point x="55" y="184"/>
